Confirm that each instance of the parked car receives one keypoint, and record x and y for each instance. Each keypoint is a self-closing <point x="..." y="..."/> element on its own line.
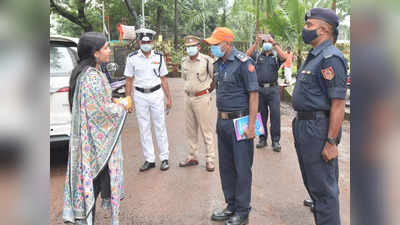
<point x="63" y="58"/>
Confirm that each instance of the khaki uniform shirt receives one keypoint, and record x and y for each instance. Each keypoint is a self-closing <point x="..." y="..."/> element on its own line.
<point x="195" y="73"/>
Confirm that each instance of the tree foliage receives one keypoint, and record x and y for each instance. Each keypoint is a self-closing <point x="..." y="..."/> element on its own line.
<point x="282" y="18"/>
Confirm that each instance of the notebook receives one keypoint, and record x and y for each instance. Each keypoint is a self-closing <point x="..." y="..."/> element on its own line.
<point x="242" y="123"/>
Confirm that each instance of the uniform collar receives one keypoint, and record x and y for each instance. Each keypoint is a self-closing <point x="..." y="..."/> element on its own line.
<point x="142" y="55"/>
<point x="263" y="53"/>
<point x="231" y="55"/>
<point x="320" y="47"/>
<point x="198" y="58"/>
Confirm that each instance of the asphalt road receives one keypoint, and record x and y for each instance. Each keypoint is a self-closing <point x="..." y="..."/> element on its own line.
<point x="187" y="196"/>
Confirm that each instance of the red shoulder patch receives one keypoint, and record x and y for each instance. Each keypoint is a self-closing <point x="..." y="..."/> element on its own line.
<point x="251" y="68"/>
<point x="328" y="73"/>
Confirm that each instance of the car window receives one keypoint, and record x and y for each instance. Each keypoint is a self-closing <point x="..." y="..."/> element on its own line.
<point x="61" y="60"/>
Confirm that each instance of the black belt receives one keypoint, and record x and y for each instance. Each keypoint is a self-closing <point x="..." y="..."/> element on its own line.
<point x="269" y="84"/>
<point x="232" y="115"/>
<point x="311" y="115"/>
<point x="148" y="90"/>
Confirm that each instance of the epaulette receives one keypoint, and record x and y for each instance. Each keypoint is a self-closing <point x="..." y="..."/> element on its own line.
<point x="328" y="52"/>
<point x="133" y="53"/>
<point x="184" y="58"/>
<point x="242" y="57"/>
<point x="158" y="52"/>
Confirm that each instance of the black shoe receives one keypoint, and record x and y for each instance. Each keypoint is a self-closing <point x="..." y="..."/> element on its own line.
<point x="164" y="165"/>
<point x="221" y="215"/>
<point x="146" y="166"/>
<point x="262" y="142"/>
<point x="237" y="220"/>
<point x="309" y="203"/>
<point x="276" y="146"/>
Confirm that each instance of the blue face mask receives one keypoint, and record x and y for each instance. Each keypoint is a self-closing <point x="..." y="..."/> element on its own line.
<point x="192" y="50"/>
<point x="146" y="47"/>
<point x="267" y="46"/>
<point x="216" y="51"/>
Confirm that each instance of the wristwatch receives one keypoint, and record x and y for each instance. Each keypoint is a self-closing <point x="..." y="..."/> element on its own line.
<point x="332" y="141"/>
<point x="275" y="44"/>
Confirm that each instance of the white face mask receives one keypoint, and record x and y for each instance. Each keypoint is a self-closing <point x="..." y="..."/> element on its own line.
<point x="146" y="47"/>
<point x="192" y="50"/>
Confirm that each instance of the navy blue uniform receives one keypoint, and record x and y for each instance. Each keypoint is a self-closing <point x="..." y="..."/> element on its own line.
<point x="267" y="67"/>
<point x="313" y="92"/>
<point x="234" y="82"/>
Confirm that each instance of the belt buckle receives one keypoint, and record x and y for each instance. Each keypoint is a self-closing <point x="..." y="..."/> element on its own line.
<point x="190" y="94"/>
<point x="267" y="85"/>
<point x="146" y="90"/>
<point x="224" y="115"/>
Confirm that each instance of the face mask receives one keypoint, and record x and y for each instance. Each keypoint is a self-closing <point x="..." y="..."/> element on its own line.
<point x="267" y="46"/>
<point x="192" y="50"/>
<point x="216" y="51"/>
<point x="309" y="35"/>
<point x="146" y="47"/>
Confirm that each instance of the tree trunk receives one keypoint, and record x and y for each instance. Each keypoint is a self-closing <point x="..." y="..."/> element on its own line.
<point x="223" y="22"/>
<point x="333" y="6"/>
<point x="258" y="16"/>
<point x="79" y="19"/>
<point x="299" y="59"/>
<point x="175" y="25"/>
<point x="158" y="20"/>
<point x="131" y="10"/>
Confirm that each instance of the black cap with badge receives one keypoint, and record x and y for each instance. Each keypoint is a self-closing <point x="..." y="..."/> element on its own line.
<point x="327" y="15"/>
<point x="144" y="34"/>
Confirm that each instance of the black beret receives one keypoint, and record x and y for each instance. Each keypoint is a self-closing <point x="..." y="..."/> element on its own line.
<point x="327" y="15"/>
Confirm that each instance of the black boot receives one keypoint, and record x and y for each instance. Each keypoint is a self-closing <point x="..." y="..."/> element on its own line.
<point x="276" y="146"/>
<point x="222" y="214"/>
<point x="262" y="142"/>
<point x="309" y="203"/>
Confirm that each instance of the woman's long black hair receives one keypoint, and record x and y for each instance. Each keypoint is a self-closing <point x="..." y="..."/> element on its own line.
<point x="89" y="43"/>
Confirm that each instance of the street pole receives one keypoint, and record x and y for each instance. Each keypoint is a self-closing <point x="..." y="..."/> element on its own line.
<point x="143" y="13"/>
<point x="102" y="8"/>
<point x="104" y="24"/>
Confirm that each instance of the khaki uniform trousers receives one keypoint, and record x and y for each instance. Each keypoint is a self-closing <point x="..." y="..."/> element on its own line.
<point x="198" y="115"/>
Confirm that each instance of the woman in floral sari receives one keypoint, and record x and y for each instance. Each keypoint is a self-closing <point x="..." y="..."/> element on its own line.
<point x="95" y="144"/>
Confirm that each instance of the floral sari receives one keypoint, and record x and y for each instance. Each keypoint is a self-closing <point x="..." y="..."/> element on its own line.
<point x="95" y="141"/>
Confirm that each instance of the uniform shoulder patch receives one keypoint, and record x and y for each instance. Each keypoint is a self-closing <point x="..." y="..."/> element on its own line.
<point x="328" y="73"/>
<point x="242" y="57"/>
<point x="133" y="53"/>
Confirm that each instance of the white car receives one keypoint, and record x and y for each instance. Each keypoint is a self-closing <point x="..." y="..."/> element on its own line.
<point x="63" y="58"/>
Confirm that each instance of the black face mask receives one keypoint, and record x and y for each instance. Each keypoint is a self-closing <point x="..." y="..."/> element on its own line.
<point x="309" y="35"/>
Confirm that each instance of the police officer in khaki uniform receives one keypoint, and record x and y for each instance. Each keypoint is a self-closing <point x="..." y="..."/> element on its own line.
<point x="197" y="71"/>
